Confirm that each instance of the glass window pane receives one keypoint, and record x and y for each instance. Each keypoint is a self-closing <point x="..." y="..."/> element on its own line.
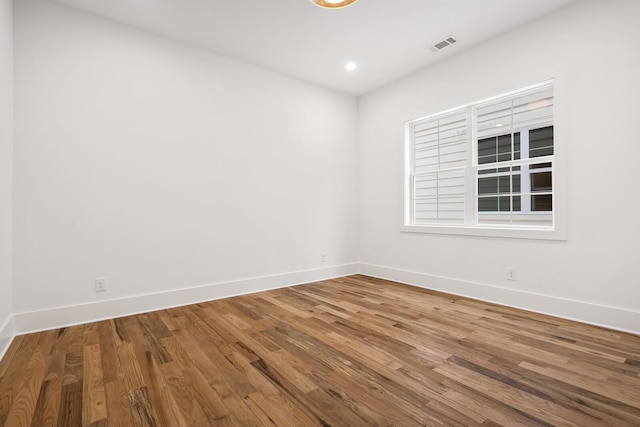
<point x="504" y="184"/>
<point x="487" y="204"/>
<point x="504" y="144"/>
<point x="541" y="142"/>
<point x="541" y="203"/>
<point x="516" y="146"/>
<point x="488" y="185"/>
<point x="541" y="181"/>
<point x="540" y="165"/>
<point x="487" y="171"/>
<point x="487" y="150"/>
<point x="504" y="157"/>
<point x="504" y="204"/>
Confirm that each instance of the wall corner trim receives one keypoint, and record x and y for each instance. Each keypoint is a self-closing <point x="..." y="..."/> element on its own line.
<point x="619" y="319"/>
<point x="7" y="334"/>
<point x="58" y="317"/>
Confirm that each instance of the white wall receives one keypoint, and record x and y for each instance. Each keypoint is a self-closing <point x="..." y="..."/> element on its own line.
<point x="163" y="167"/>
<point x="6" y="163"/>
<point x="597" y="45"/>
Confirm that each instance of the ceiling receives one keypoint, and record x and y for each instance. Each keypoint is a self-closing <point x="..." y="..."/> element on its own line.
<point x="387" y="39"/>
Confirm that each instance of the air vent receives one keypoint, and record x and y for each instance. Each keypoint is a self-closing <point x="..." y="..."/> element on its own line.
<point x="442" y="44"/>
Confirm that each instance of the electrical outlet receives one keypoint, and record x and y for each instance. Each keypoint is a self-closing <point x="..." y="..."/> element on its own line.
<point x="323" y="257"/>
<point x="511" y="274"/>
<point x="100" y="284"/>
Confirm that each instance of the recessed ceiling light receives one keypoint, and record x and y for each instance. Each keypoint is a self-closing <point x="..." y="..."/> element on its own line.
<point x="333" y="4"/>
<point x="351" y="66"/>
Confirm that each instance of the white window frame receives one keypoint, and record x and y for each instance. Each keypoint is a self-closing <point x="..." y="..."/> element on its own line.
<point x="471" y="226"/>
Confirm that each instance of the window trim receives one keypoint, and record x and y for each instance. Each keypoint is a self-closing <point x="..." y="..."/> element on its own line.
<point x="557" y="232"/>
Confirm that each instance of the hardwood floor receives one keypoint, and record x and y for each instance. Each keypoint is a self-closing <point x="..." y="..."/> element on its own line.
<point x="354" y="351"/>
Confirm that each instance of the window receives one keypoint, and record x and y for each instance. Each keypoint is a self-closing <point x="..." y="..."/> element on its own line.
<point x="488" y="165"/>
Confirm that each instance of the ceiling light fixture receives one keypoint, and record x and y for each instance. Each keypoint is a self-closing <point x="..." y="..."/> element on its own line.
<point x="333" y="4"/>
<point x="351" y="66"/>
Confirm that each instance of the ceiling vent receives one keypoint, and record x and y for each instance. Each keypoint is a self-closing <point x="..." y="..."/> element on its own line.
<point x="442" y="44"/>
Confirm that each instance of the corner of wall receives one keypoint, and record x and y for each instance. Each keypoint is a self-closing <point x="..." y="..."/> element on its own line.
<point x="7" y="334"/>
<point x="6" y="174"/>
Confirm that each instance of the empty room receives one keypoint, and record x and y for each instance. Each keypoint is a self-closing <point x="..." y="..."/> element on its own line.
<point x="319" y="213"/>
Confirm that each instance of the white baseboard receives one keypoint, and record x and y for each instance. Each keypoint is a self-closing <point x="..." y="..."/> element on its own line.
<point x="34" y="321"/>
<point x="599" y="315"/>
<point x="6" y="336"/>
<point x="59" y="317"/>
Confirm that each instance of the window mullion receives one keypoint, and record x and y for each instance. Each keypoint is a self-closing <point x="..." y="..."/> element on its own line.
<point x="471" y="190"/>
<point x="525" y="177"/>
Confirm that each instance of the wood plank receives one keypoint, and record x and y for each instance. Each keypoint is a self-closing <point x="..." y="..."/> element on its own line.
<point x="94" y="406"/>
<point x="108" y="356"/>
<point x="70" y="413"/>
<point x="142" y="411"/>
<point x="118" y="412"/>
<point x="73" y="366"/>
<point x="129" y="368"/>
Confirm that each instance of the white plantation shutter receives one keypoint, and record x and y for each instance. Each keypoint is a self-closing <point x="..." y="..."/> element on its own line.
<point x="530" y="110"/>
<point x="439" y="160"/>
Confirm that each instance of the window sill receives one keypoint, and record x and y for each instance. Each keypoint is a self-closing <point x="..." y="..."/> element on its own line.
<point x="488" y="231"/>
